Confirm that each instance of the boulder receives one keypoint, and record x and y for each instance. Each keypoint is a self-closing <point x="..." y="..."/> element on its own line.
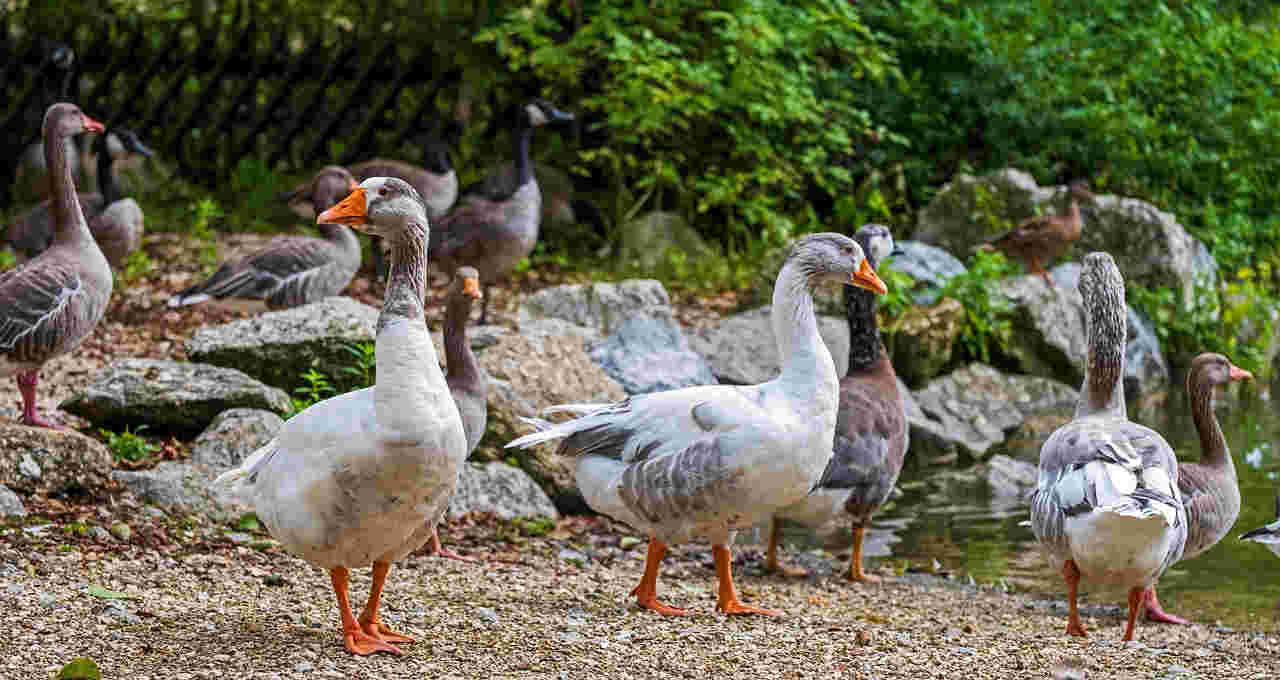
<point x="743" y="351"/>
<point x="968" y="210"/>
<point x="1009" y="477"/>
<point x="171" y="485"/>
<point x="37" y="460"/>
<point x="278" y="347"/>
<point x="651" y="354"/>
<point x="543" y="365"/>
<point x="169" y="396"/>
<point x="600" y="306"/>
<point x="232" y="436"/>
<point x="975" y="406"/>
<point x="10" y="504"/>
<point x="930" y="266"/>
<point x="501" y="489"/>
<point x="920" y="342"/>
<point x="647" y="239"/>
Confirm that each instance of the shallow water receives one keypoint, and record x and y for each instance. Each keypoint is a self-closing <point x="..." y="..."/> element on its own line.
<point x="971" y="535"/>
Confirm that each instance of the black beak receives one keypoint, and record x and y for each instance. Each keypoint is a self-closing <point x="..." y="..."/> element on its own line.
<point x="555" y="115"/>
<point x="136" y="146"/>
<point x="897" y="250"/>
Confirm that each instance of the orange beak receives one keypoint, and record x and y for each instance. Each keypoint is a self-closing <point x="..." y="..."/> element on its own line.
<point x="349" y="211"/>
<point x="471" y="287"/>
<point x="91" y="125"/>
<point x="866" y="277"/>
<point x="1238" y="373"/>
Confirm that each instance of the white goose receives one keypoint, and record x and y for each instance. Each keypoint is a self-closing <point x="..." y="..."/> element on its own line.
<point x="707" y="461"/>
<point x="1268" y="535"/>
<point x="365" y="476"/>
<point x="1107" y="504"/>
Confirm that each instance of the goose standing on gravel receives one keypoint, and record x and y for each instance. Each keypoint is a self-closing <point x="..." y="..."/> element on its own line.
<point x="51" y="303"/>
<point x="291" y="270"/>
<point x="707" y="461"/>
<point x="1210" y="490"/>
<point x="1107" y="505"/>
<point x="1268" y="535"/>
<point x="363" y="478"/>
<point x="493" y="234"/>
<point x="871" y="428"/>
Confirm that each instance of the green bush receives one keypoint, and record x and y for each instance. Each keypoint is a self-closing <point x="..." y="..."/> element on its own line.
<point x="987" y="326"/>
<point x="128" y="445"/>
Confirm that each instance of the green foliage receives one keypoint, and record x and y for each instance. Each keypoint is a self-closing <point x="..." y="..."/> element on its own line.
<point x="8" y="260"/>
<point x="363" y="372"/>
<point x="128" y="445"/>
<point x="317" y="388"/>
<point x="899" y="297"/>
<point x="248" y="522"/>
<point x="322" y="384"/>
<point x="136" y="266"/>
<point x="987" y="324"/>
<point x="534" y="526"/>
<point x="203" y="214"/>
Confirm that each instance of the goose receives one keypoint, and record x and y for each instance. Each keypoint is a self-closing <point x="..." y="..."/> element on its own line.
<point x="1268" y="535"/>
<point x="467" y="381"/>
<point x="493" y="234"/>
<point x="1210" y="491"/>
<point x="116" y="222"/>
<point x="291" y="270"/>
<point x="707" y="461"/>
<point x="1106" y="505"/>
<point x="871" y="428"/>
<point x="362" y="478"/>
<point x="50" y="304"/>
<point x="1038" y="240"/>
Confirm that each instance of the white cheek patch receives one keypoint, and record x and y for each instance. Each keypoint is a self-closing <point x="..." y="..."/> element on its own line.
<point x="881" y="247"/>
<point x="536" y="117"/>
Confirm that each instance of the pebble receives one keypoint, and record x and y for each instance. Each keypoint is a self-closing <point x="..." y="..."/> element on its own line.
<point x="99" y="534"/>
<point x="488" y="615"/>
<point x="152" y="512"/>
<point x="574" y="556"/>
<point x="239" y="538"/>
<point x="119" y="611"/>
<point x="304" y="667"/>
<point x="629" y="542"/>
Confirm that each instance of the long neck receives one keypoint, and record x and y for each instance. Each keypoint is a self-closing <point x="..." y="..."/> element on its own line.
<point x="1103" y="389"/>
<point x="864" y="333"/>
<point x="1213" y="445"/>
<point x="69" y="223"/>
<point x="341" y="235"/>
<point x="524" y="167"/>
<point x="804" y="356"/>
<point x="457" y="351"/>
<point x="106" y="179"/>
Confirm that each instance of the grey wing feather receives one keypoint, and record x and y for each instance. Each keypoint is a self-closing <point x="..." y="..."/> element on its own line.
<point x="688" y="484"/>
<point x="37" y="308"/>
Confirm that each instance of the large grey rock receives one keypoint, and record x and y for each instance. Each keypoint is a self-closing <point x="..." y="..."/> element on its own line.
<point x="1008" y="477"/>
<point x="1150" y="247"/>
<point x="974" y="407"/>
<point x="743" y="351"/>
<point x="1145" y="370"/>
<point x="278" y="347"/>
<point x="930" y="266"/>
<point x="601" y="306"/>
<point x="169" y="396"/>
<point x="501" y="489"/>
<point x="171" y="485"/>
<point x="10" y="504"/>
<point x="232" y="436"/>
<point x="650" y="354"/>
<point x="647" y="239"/>
<point x="37" y="460"/>
<point x="921" y="340"/>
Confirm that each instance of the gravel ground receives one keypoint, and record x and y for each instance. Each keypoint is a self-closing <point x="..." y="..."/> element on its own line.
<point x="212" y="603"/>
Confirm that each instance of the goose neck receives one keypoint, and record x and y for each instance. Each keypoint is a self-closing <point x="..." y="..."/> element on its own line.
<point x="864" y="332"/>
<point x="69" y="222"/>
<point x="106" y="179"/>
<point x="803" y="354"/>
<point x="406" y="282"/>
<point x="1103" y="389"/>
<point x="1213" y="445"/>
<point x="523" y="166"/>
<point x="457" y="351"/>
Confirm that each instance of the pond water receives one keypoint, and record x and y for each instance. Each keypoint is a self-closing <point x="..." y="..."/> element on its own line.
<point x="970" y="534"/>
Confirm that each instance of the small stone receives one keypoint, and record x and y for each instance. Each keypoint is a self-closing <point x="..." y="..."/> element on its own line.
<point x="152" y="512"/>
<point x="571" y="636"/>
<point x="10" y="504"/>
<point x="488" y="615"/>
<point x="99" y="534"/>
<point x="28" y="467"/>
<point x="629" y="542"/>
<point x="573" y="557"/>
<point x="239" y="538"/>
<point x="304" y="667"/>
<point x="121" y="531"/>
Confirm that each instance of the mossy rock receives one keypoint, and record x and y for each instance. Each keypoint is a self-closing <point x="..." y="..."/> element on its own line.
<point x="921" y="341"/>
<point x="83" y="668"/>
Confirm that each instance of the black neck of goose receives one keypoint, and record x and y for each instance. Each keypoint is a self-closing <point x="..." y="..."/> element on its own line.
<point x="106" y="180"/>
<point x="524" y="167"/>
<point x="406" y="283"/>
<point x="457" y="351"/>
<point x="864" y="332"/>
<point x="69" y="223"/>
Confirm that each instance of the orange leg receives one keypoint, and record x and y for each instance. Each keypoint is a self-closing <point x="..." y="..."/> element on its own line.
<point x="1136" y="598"/>
<point x="436" y="549"/>
<point x="647" y="592"/>
<point x="855" y="559"/>
<point x="1071" y="573"/>
<point x="369" y="617"/>
<point x="771" y="556"/>
<point x="1157" y="613"/>
<point x="728" y="600"/>
<point x="354" y="638"/>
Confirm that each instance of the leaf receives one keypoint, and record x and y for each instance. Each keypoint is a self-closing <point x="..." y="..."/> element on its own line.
<point x="249" y="522"/>
<point x="82" y="668"/>
<point x="102" y="593"/>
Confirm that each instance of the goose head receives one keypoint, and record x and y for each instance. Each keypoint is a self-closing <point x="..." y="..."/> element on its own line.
<point x="835" y="258"/>
<point x="382" y="206"/>
<point x="1106" y="319"/>
<point x="877" y="243"/>
<point x="539" y="112"/>
<point x="121" y="142"/>
<point x="65" y="119"/>
<point x="1214" y="369"/>
<point x="329" y="186"/>
<point x="466" y="284"/>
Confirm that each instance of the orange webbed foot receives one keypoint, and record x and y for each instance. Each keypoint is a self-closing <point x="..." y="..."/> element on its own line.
<point x="380" y="631"/>
<point x="451" y="555"/>
<point x="1075" y="629"/>
<point x="653" y="604"/>
<point x="786" y="571"/>
<point x="736" y="608"/>
<point x="361" y="643"/>
<point x="860" y="576"/>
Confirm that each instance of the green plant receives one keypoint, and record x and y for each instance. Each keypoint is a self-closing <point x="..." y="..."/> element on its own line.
<point x="203" y="213"/>
<point x="364" y="372"/>
<point x="136" y="266"/>
<point x="7" y="259"/>
<point x="899" y="297"/>
<point x="987" y="324"/>
<point x="127" y="445"/>
<point x="317" y="388"/>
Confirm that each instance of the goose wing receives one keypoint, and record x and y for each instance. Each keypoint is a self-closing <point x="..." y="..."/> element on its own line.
<point x="39" y="307"/>
<point x="286" y="264"/>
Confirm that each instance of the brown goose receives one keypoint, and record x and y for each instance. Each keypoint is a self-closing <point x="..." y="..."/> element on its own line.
<point x="1210" y="491"/>
<point x="467" y="381"/>
<point x="1038" y="240"/>
<point x="118" y="232"/>
<point x="51" y="303"/>
<point x="494" y="234"/>
<point x="871" y="428"/>
<point x="291" y="270"/>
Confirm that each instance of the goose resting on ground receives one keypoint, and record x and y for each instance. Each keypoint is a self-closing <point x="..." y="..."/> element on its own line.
<point x="365" y="476"/>
<point x="291" y="270"/>
<point x="51" y="303"/>
<point x="1107" y="505"/>
<point x="707" y="461"/>
<point x="871" y="428"/>
<point x="1268" y="535"/>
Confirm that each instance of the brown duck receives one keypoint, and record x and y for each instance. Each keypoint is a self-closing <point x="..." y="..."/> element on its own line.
<point x="1038" y="240"/>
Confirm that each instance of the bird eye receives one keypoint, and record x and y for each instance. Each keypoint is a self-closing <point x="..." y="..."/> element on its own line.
<point x="382" y="191"/>
<point x="847" y="250"/>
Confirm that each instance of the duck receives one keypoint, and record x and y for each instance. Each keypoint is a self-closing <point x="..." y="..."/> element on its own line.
<point x="468" y="383"/>
<point x="493" y="234"/>
<point x="1106" y="504"/>
<point x="707" y="461"/>
<point x="1210" y="490"/>
<point x="115" y="221"/>
<point x="364" y="477"/>
<point x="871" y="429"/>
<point x="291" y="270"/>
<point x="1268" y="535"/>
<point x="1040" y="239"/>
<point x="52" y="302"/>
